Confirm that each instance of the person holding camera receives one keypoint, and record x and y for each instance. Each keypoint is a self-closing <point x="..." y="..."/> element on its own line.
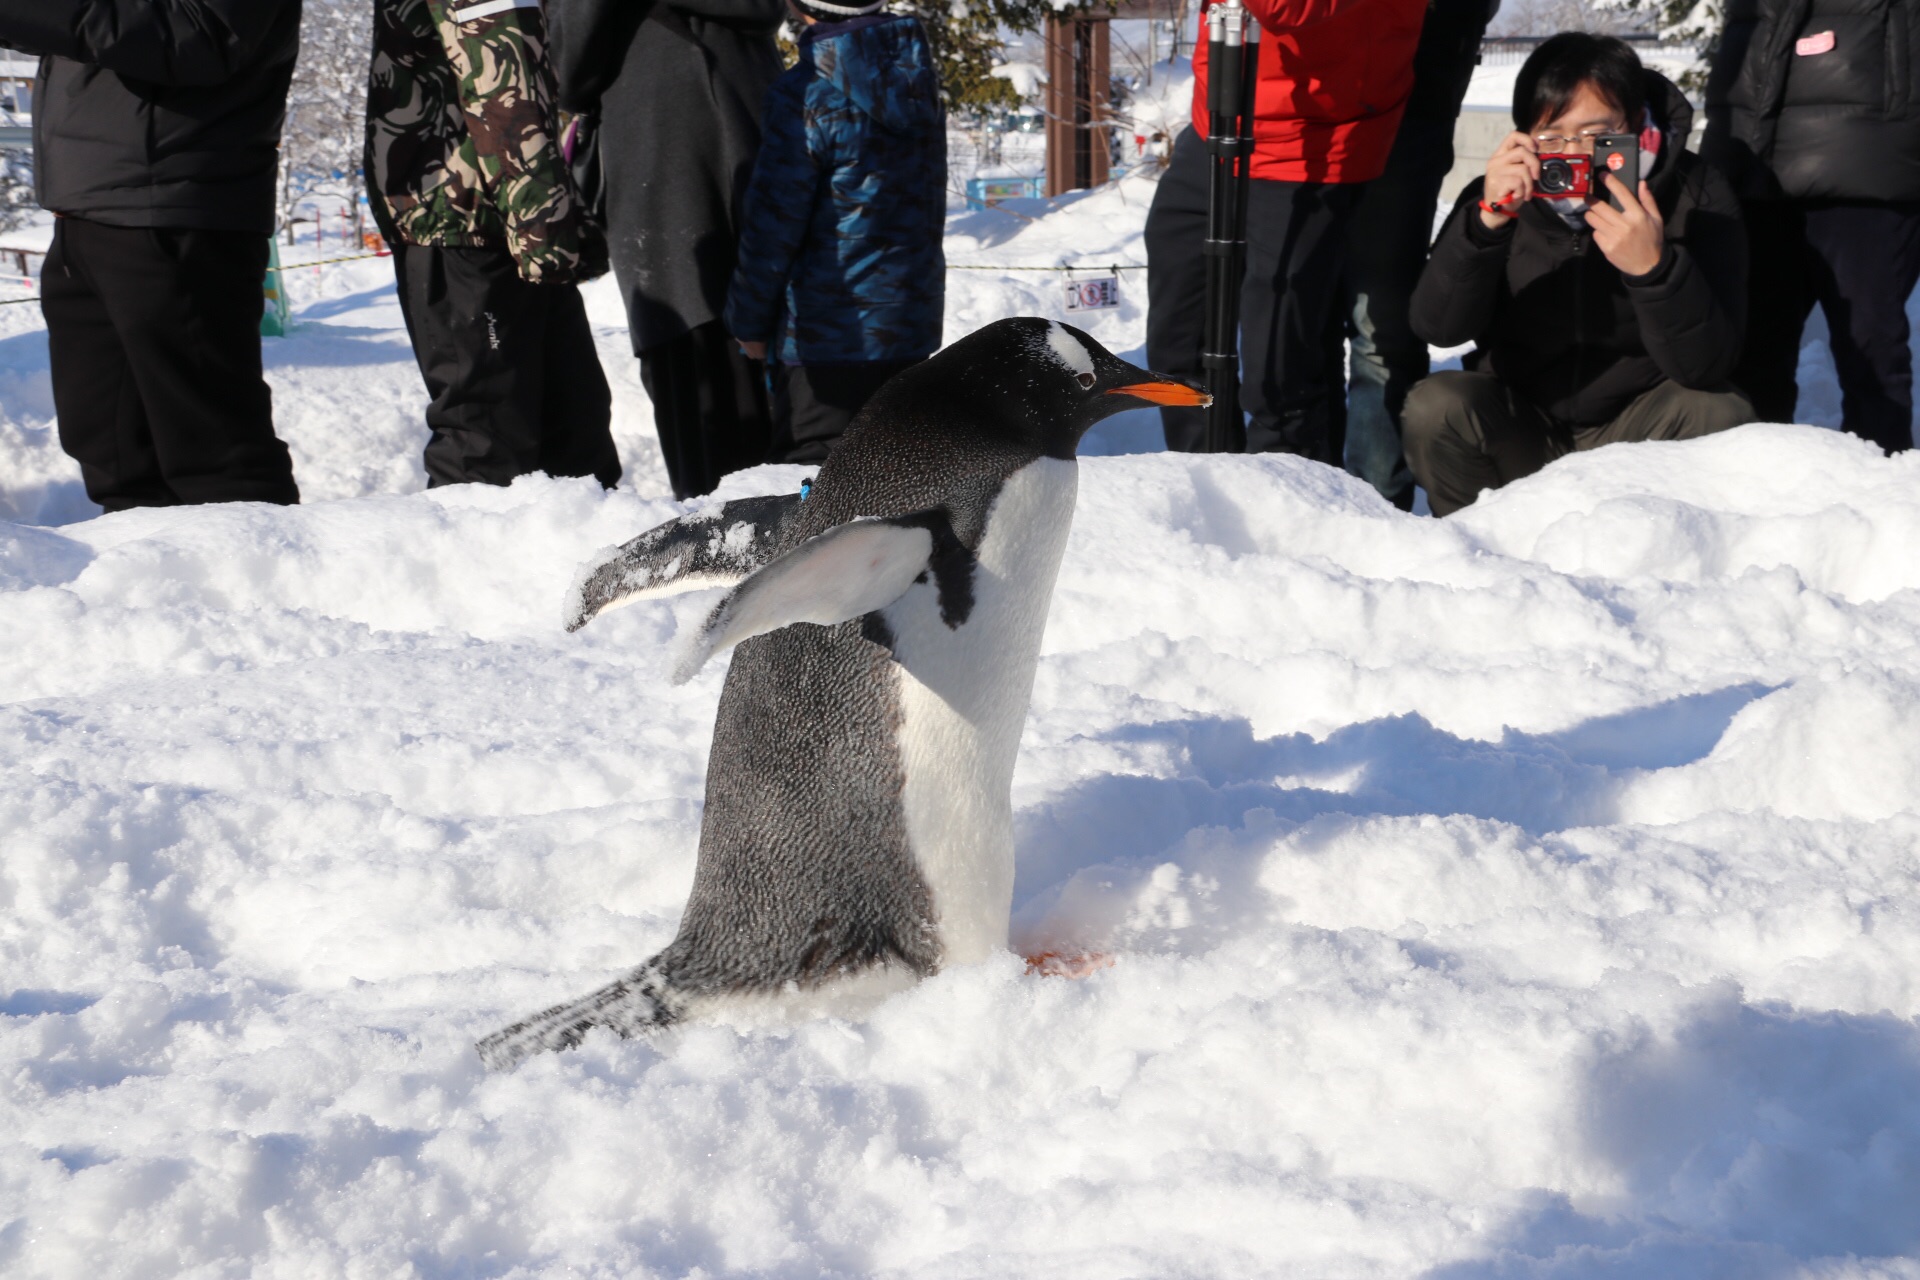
<point x="1602" y="310"/>
<point x="156" y="139"/>
<point x="1811" y="110"/>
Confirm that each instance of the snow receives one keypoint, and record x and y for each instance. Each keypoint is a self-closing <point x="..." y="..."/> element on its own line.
<point x="1534" y="893"/>
<point x="1026" y="78"/>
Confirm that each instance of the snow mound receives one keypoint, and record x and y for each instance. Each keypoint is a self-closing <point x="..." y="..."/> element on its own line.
<point x="1533" y="893"/>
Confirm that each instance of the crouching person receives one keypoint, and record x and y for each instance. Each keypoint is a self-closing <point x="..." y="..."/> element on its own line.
<point x="1592" y="324"/>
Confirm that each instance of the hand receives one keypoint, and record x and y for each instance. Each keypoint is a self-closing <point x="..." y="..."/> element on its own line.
<point x="1634" y="236"/>
<point x="1511" y="173"/>
<point x="754" y="350"/>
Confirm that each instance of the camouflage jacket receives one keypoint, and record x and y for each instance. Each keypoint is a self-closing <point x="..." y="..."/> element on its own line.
<point x="463" y="147"/>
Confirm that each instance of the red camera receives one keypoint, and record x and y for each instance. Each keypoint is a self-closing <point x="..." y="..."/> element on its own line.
<point x="1563" y="175"/>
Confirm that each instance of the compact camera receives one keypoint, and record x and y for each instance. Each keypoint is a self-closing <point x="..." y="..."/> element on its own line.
<point x="1563" y="175"/>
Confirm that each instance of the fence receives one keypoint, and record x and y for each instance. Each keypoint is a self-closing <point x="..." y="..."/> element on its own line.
<point x="1504" y="51"/>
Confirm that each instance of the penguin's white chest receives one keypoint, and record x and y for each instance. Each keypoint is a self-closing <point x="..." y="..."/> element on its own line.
<point x="963" y="701"/>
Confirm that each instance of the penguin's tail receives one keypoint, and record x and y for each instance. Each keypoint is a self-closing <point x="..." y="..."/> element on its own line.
<point x="635" y="1005"/>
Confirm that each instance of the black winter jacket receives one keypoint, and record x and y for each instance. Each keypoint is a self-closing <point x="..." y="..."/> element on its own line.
<point x="1444" y="61"/>
<point x="1558" y="323"/>
<point x="679" y="89"/>
<point x="158" y="113"/>
<point x="1840" y="120"/>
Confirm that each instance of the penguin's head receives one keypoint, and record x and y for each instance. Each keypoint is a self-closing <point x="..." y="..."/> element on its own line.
<point x="1044" y="381"/>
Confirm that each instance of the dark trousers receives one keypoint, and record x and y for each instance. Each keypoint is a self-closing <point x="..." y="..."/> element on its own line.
<point x="516" y="384"/>
<point x="1387" y="242"/>
<point x="1296" y="251"/>
<point x="1468" y="431"/>
<point x="1859" y="261"/>
<point x="709" y="405"/>
<point x="154" y="340"/>
<point x="814" y="403"/>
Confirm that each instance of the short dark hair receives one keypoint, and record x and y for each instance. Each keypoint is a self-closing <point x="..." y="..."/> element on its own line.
<point x="1557" y="69"/>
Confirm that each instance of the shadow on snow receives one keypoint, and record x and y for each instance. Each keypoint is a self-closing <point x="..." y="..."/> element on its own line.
<point x="1401" y="766"/>
<point x="1751" y="1141"/>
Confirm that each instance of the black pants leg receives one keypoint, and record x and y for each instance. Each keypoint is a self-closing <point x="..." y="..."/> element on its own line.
<point x="709" y="405"/>
<point x="1779" y="296"/>
<point x="102" y="423"/>
<point x="1177" y="282"/>
<point x="1296" y="253"/>
<point x="813" y="404"/>
<point x="154" y="341"/>
<point x="1865" y="259"/>
<point x="576" y="437"/>
<point x="1387" y="242"/>
<point x="1296" y="256"/>
<point x="485" y="341"/>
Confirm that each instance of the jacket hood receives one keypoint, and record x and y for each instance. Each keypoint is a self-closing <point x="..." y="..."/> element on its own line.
<point x="884" y="67"/>
<point x="1671" y="110"/>
<point x="1674" y="114"/>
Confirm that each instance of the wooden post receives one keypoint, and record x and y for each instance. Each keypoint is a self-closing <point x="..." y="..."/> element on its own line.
<point x="1079" y="72"/>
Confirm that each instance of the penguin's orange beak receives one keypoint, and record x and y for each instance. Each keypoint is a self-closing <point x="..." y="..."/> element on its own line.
<point x="1164" y="391"/>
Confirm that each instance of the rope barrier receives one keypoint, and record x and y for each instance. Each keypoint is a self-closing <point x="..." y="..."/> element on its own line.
<point x="282" y="269"/>
<point x="1114" y="268"/>
<point x="322" y="262"/>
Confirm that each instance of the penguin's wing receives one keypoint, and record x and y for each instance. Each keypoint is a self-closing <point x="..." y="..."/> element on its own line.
<point x="850" y="570"/>
<point x="717" y="549"/>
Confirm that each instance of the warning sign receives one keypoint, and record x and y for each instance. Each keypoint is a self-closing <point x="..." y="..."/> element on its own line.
<point x="1093" y="295"/>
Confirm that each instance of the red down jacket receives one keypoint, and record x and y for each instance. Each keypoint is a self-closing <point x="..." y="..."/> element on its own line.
<point x="1334" y="79"/>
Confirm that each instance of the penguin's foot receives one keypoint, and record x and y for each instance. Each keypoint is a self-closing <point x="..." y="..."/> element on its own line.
<point x="632" y="1006"/>
<point x="1068" y="964"/>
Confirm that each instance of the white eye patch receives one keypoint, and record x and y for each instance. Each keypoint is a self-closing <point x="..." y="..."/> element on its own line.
<point x="1069" y="351"/>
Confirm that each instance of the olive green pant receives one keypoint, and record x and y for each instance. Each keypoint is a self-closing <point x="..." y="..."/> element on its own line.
<point x="1468" y="431"/>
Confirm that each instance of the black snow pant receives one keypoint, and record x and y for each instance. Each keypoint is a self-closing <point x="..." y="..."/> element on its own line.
<point x="154" y="340"/>
<point x="1296" y="252"/>
<point x="1387" y="243"/>
<point x="709" y="405"/>
<point x="1466" y="432"/>
<point x="516" y="384"/>
<point x="1859" y="261"/>
<point x="814" y="403"/>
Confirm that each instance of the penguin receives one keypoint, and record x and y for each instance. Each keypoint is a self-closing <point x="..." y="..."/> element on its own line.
<point x="885" y="624"/>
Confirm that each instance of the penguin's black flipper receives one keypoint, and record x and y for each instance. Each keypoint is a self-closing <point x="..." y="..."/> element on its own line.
<point x="632" y="1006"/>
<point x="850" y="570"/>
<point x="717" y="549"/>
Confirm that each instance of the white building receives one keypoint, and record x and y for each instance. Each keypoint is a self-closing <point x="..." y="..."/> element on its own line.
<point x="16" y="82"/>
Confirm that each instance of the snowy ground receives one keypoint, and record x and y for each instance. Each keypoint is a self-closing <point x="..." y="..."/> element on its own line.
<point x="1530" y="894"/>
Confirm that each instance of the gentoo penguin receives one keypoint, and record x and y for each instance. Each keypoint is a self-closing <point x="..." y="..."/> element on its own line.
<point x="858" y="829"/>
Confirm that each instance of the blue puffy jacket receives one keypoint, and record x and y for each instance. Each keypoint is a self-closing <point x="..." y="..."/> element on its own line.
<point x="841" y="236"/>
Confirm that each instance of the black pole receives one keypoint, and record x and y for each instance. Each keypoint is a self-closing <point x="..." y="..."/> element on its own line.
<point x="1233" y="50"/>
